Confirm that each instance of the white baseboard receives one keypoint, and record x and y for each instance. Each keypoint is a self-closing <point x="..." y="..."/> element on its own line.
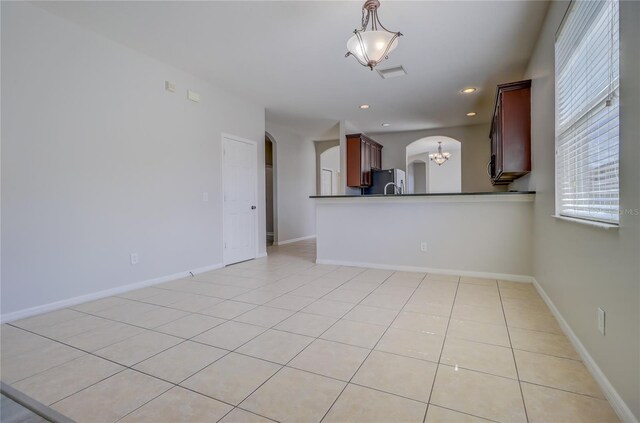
<point x="44" y="308"/>
<point x="261" y="255"/>
<point x="616" y="401"/>
<point x="487" y="275"/>
<point x="291" y="241"/>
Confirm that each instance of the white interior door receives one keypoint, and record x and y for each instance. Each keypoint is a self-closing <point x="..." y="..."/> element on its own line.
<point x="326" y="182"/>
<point x="240" y="196"/>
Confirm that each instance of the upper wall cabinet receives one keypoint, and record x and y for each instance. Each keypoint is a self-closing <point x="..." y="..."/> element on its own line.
<point x="511" y="133"/>
<point x="363" y="155"/>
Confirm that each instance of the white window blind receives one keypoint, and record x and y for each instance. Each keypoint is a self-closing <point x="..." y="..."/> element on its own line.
<point x="587" y="88"/>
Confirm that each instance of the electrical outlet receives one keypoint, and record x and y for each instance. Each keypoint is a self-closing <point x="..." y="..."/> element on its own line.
<point x="601" y="321"/>
<point x="134" y="258"/>
<point x="423" y="246"/>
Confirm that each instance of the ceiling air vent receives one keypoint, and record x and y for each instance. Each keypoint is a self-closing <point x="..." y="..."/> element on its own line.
<point x="391" y="72"/>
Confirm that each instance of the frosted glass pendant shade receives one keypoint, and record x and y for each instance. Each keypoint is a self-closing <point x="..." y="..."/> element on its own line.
<point x="372" y="43"/>
<point x="371" y="47"/>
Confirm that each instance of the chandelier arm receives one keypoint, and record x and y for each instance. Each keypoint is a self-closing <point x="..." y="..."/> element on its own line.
<point x="364" y="51"/>
<point x="383" y="27"/>
<point x="389" y="44"/>
<point x="356" y="57"/>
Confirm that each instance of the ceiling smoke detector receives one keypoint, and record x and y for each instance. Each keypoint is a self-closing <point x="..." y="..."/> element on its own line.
<point x="393" y="72"/>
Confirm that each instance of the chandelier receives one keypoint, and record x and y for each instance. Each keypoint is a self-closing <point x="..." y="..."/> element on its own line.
<point x="371" y="45"/>
<point x="439" y="157"/>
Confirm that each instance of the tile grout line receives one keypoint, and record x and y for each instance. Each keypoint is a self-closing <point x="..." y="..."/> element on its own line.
<point x="229" y="351"/>
<point x="465" y="413"/>
<point x="373" y="348"/>
<point x="273" y="327"/>
<point x="183" y="340"/>
<point x="171" y="383"/>
<point x="281" y="365"/>
<point x="293" y="358"/>
<point x="444" y="341"/>
<point x="125" y="367"/>
<point x="129" y="337"/>
<point x="515" y="362"/>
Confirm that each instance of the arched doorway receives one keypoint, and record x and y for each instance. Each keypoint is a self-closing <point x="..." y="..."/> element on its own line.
<point x="330" y="171"/>
<point x="426" y="176"/>
<point x="328" y="167"/>
<point x="271" y="188"/>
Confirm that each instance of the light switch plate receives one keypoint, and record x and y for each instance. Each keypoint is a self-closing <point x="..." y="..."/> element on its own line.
<point x="601" y="321"/>
<point x="193" y="96"/>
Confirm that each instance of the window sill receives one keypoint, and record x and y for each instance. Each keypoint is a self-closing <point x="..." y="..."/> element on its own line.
<point x="592" y="223"/>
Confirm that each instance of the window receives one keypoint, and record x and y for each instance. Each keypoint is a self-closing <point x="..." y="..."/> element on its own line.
<point x="587" y="110"/>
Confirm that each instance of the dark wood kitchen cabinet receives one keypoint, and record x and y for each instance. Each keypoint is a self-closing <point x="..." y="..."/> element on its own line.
<point x="363" y="155"/>
<point x="511" y="133"/>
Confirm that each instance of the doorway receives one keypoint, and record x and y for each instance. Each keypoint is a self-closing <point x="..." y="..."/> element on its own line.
<point x="326" y="184"/>
<point x="271" y="188"/>
<point x="269" y="180"/>
<point x="328" y="162"/>
<point x="425" y="175"/>
<point x="417" y="177"/>
<point x="239" y="180"/>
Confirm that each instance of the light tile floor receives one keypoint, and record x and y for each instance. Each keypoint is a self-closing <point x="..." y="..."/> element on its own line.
<point x="283" y="339"/>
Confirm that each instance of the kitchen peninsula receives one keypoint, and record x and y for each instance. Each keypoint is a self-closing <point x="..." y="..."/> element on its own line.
<point x="483" y="234"/>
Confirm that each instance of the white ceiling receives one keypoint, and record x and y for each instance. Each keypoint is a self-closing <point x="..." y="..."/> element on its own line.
<point x="289" y="56"/>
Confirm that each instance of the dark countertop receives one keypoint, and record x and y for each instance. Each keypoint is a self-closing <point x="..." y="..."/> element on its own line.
<point x="439" y="194"/>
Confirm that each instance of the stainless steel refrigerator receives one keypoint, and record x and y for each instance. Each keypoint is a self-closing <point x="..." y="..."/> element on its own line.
<point x="381" y="178"/>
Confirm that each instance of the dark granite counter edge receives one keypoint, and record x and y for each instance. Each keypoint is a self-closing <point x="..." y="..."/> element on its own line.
<point x="440" y="194"/>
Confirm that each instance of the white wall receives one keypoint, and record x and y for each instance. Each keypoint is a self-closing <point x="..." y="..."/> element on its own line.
<point x="476" y="149"/>
<point x="440" y="179"/>
<point x="417" y="177"/>
<point x="448" y="176"/>
<point x="296" y="181"/>
<point x="462" y="233"/>
<point x="330" y="159"/>
<point x="582" y="268"/>
<point x="99" y="161"/>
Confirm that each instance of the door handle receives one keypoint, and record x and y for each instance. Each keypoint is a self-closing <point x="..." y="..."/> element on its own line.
<point x="253" y="207"/>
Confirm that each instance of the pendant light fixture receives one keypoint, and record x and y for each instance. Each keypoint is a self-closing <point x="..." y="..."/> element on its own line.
<point x="440" y="157"/>
<point x="372" y="43"/>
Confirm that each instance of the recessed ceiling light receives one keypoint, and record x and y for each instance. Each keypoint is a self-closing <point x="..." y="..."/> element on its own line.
<point x="386" y="124"/>
<point x="471" y="114"/>
<point x="364" y="106"/>
<point x="468" y="90"/>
